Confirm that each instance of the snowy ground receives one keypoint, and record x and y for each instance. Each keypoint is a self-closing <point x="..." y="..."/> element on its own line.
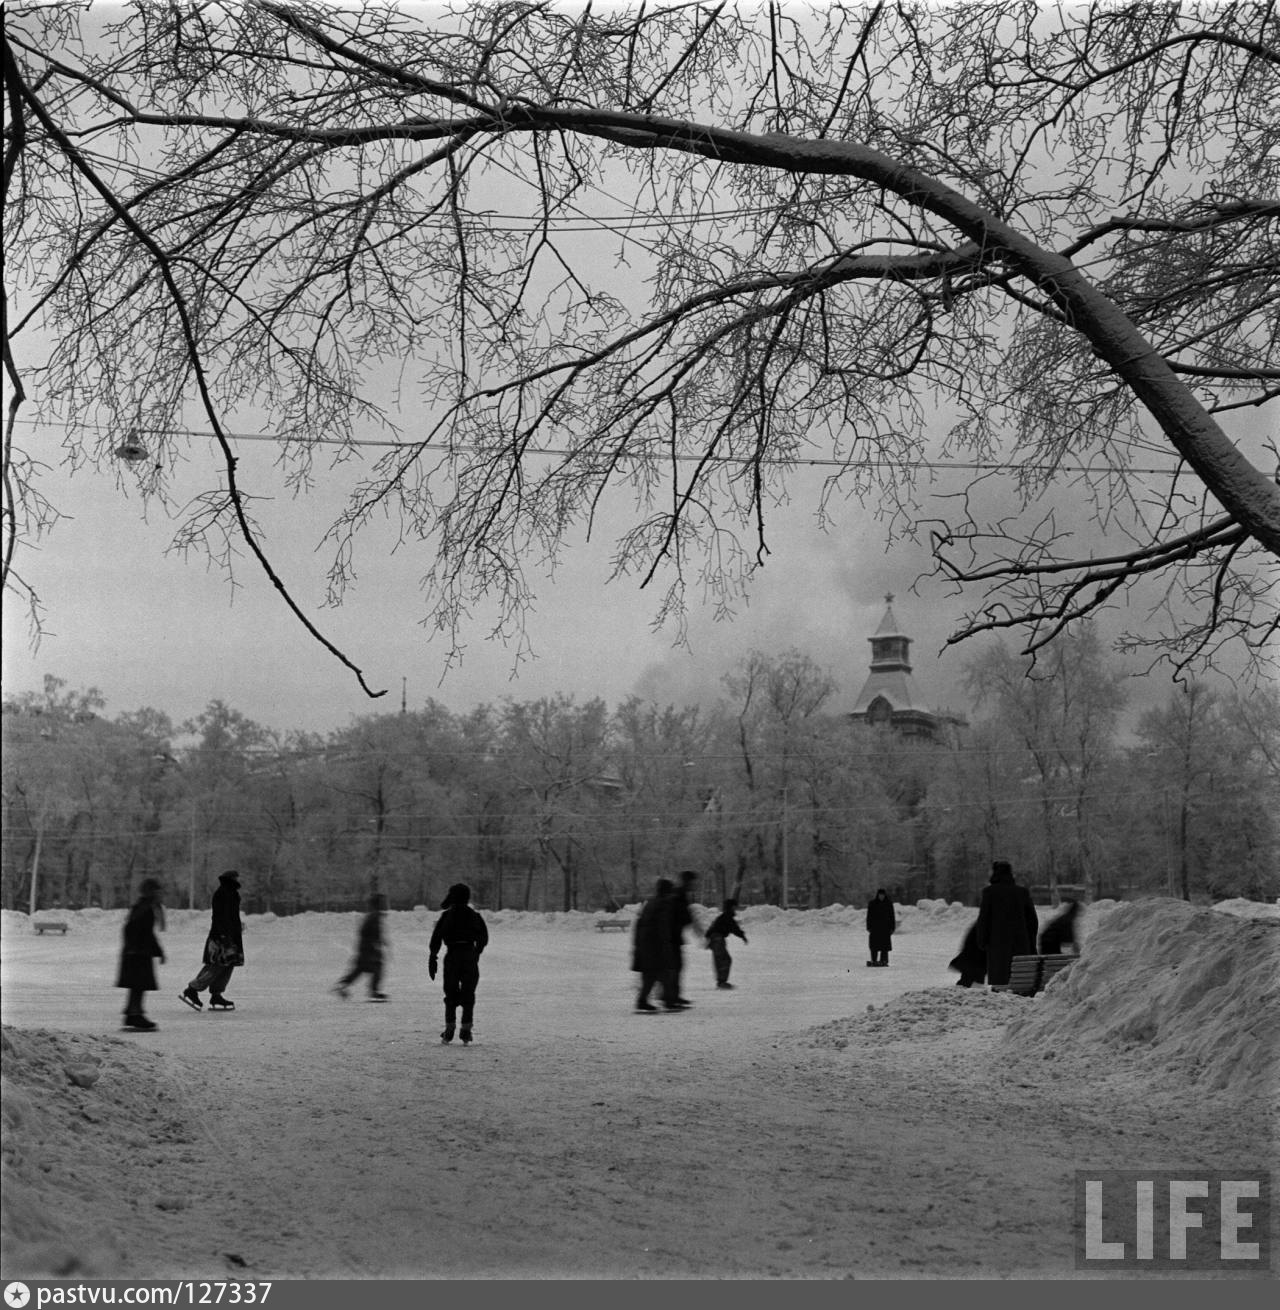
<point x="823" y="1120"/>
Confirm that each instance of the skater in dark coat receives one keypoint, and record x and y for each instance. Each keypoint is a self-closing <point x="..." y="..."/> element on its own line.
<point x="464" y="934"/>
<point x="1006" y="923"/>
<point x="1059" y="935"/>
<point x="223" y="948"/>
<point x="652" y="952"/>
<point x="880" y="928"/>
<point x="139" y="952"/>
<point x="971" y="963"/>
<point x="722" y="927"/>
<point x="371" y="950"/>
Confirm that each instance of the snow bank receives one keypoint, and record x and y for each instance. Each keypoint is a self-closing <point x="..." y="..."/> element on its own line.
<point x="1192" y="992"/>
<point x="916" y="1016"/>
<point x="83" y="1116"/>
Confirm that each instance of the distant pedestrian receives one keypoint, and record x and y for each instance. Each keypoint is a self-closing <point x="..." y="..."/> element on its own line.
<point x="464" y="935"/>
<point x="1059" y="934"/>
<point x="652" y="952"/>
<point x="881" y="924"/>
<point x="138" y="954"/>
<point x="681" y="918"/>
<point x="223" y="948"/>
<point x="371" y="951"/>
<point x="1006" y="923"/>
<point x="723" y="926"/>
<point x="971" y="963"/>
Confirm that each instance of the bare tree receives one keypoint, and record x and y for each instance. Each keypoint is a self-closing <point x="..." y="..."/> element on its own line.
<point x="1064" y="710"/>
<point x="683" y="250"/>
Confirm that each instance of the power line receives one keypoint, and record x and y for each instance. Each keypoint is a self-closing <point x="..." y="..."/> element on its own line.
<point x="562" y="452"/>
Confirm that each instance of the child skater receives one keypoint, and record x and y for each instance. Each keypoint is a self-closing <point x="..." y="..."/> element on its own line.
<point x="723" y="926"/>
<point x="463" y="932"/>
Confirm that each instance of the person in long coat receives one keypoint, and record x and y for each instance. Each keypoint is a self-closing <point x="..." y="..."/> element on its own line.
<point x="681" y="918"/>
<point x="139" y="952"/>
<point x="880" y="928"/>
<point x="1006" y="924"/>
<point x="371" y="951"/>
<point x="971" y="963"/>
<point x="652" y="949"/>
<point x="223" y="948"/>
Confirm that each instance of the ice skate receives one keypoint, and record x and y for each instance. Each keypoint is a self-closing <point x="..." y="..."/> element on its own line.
<point x="378" y="996"/>
<point x="192" y="998"/>
<point x="221" y="1003"/>
<point x="465" y="1035"/>
<point x="140" y="1023"/>
<point x="340" y="989"/>
<point x="447" y="1035"/>
<point x="646" y="1007"/>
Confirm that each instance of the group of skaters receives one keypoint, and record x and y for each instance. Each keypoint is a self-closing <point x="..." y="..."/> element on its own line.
<point x="657" y="943"/>
<point x="1006" y="926"/>
<point x="460" y="932"/>
<point x="223" y="951"/>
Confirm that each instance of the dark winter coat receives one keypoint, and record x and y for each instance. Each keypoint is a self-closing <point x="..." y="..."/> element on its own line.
<point x="1006" y="925"/>
<point x="140" y="949"/>
<point x="224" y="944"/>
<point x="653" y="948"/>
<point x="1060" y="932"/>
<point x="881" y="922"/>
<point x="971" y="963"/>
<point x="681" y="918"/>
<point x="369" y="943"/>
<point x="725" y="925"/>
<point x="462" y="930"/>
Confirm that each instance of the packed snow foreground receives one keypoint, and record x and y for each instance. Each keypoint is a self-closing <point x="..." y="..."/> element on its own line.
<point x="822" y="1120"/>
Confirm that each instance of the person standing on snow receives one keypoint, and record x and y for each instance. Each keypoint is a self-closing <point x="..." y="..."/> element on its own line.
<point x="880" y="928"/>
<point x="464" y="935"/>
<point x="1006" y="923"/>
<point x="722" y="927"/>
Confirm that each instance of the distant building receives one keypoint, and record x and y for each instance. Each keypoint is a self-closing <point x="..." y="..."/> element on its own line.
<point x="889" y="698"/>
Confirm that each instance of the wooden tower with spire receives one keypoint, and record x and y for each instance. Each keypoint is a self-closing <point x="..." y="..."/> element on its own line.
<point x="889" y="698"/>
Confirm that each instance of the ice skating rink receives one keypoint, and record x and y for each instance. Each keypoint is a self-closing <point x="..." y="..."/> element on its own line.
<point x="821" y="1120"/>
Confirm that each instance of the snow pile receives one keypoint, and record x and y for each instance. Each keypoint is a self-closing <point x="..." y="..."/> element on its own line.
<point x="84" y="1118"/>
<point x="1192" y="992"/>
<point x="937" y="1012"/>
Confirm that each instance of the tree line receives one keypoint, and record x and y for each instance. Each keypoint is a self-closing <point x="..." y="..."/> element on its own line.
<point x="771" y="793"/>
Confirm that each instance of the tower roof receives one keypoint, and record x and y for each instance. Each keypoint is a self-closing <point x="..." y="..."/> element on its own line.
<point x="890" y="675"/>
<point x="889" y="624"/>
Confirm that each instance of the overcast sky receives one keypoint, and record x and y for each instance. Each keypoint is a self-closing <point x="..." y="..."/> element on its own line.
<point x="149" y="628"/>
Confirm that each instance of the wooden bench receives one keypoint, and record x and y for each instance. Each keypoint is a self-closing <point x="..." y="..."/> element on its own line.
<point x="43" y="926"/>
<point x="1030" y="974"/>
<point x="612" y="925"/>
